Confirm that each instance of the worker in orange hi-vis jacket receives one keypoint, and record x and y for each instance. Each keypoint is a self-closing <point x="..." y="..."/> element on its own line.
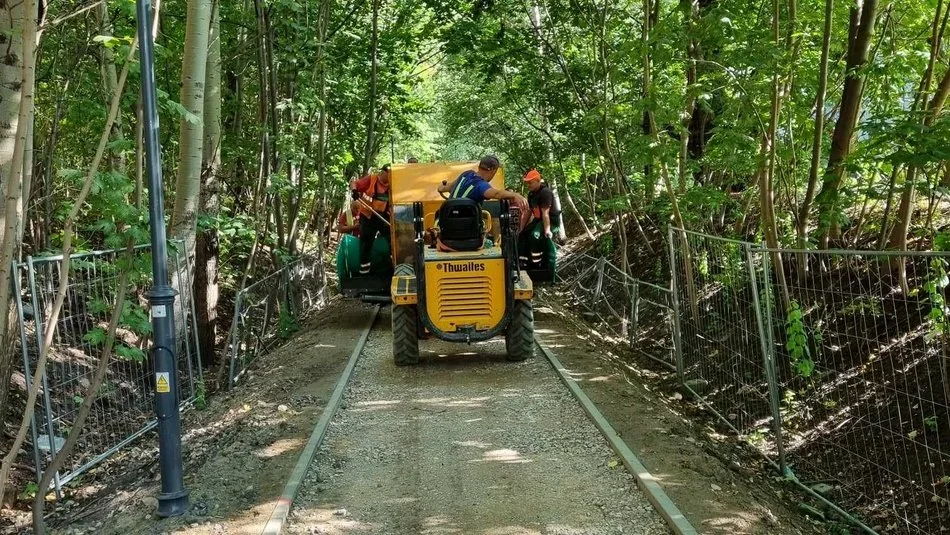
<point x="544" y="220"/>
<point x="371" y="193"/>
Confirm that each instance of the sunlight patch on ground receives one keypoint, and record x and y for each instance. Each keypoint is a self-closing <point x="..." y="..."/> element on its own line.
<point x="504" y="455"/>
<point x="439" y="524"/>
<point x="513" y="530"/>
<point x="601" y="378"/>
<point x="739" y="522"/>
<point x="401" y="501"/>
<point x="279" y="447"/>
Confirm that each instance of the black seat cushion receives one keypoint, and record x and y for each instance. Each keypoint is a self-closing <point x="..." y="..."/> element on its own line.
<point x="460" y="225"/>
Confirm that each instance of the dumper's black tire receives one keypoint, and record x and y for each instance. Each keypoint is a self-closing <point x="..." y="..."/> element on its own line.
<point x="405" y="328"/>
<point x="519" y="337"/>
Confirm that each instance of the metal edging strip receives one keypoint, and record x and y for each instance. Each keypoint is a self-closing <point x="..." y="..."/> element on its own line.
<point x="675" y="519"/>
<point x="278" y="518"/>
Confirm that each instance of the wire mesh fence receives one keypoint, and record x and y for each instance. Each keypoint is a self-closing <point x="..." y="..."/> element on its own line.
<point x="725" y="362"/>
<point x="622" y="309"/>
<point x="833" y="364"/>
<point x="124" y="406"/>
<point x="862" y="354"/>
<point x="270" y="309"/>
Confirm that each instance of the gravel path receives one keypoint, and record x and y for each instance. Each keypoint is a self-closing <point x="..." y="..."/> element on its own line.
<point x="465" y="443"/>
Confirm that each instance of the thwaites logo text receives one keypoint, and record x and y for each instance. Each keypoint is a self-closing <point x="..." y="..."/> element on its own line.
<point x="461" y="267"/>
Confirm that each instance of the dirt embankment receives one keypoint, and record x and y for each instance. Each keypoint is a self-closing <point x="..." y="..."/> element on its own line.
<point x="238" y="452"/>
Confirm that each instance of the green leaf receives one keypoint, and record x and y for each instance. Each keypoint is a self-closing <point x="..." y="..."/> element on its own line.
<point x="96" y="336"/>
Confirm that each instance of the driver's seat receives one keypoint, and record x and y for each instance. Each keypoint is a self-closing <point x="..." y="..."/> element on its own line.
<point x="461" y="227"/>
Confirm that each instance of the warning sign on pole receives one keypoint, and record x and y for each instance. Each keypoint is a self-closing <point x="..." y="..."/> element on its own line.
<point x="161" y="383"/>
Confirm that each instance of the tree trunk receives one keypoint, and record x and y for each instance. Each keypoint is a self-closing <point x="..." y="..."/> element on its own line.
<point x="206" y="260"/>
<point x="692" y="46"/>
<point x="860" y="33"/>
<point x="11" y="77"/>
<point x="801" y="227"/>
<point x="767" y="166"/>
<point x="371" y="116"/>
<point x="109" y="82"/>
<point x="898" y="239"/>
<point x="23" y="15"/>
<point x="187" y="184"/>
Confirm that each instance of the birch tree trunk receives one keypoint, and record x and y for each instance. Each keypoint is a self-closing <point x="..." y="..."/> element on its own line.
<point x="187" y="185"/>
<point x="21" y="15"/>
<point x="207" y="250"/>
<point x="11" y="78"/>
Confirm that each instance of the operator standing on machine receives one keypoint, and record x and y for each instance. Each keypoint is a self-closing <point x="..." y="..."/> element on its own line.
<point x="372" y="194"/>
<point x="538" y="231"/>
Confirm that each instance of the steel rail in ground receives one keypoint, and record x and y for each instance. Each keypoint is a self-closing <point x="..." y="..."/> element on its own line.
<point x="281" y="513"/>
<point x="647" y="483"/>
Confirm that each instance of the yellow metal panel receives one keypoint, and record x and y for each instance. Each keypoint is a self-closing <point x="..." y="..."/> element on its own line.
<point x="420" y="181"/>
<point x="465" y="293"/>
<point x="524" y="288"/>
<point x="402" y="291"/>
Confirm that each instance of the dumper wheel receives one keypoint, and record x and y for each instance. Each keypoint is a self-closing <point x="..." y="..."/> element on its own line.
<point x="405" y="328"/>
<point x="519" y="337"/>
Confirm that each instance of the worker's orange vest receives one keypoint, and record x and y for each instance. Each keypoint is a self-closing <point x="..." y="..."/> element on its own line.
<point x="379" y="201"/>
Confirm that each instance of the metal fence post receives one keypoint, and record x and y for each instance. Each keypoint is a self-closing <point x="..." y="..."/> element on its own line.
<point x="601" y="264"/>
<point x="675" y="298"/>
<point x="47" y="404"/>
<point x="634" y="309"/>
<point x="765" y="342"/>
<point x="18" y="292"/>
<point x="234" y="337"/>
<point x="189" y="269"/>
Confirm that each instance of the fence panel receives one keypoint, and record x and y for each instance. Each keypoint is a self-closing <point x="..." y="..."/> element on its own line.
<point x="862" y="362"/>
<point x="616" y="304"/>
<point x="124" y="408"/>
<point x="270" y="309"/>
<point x="718" y="283"/>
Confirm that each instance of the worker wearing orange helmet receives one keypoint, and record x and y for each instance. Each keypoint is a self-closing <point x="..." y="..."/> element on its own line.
<point x="532" y="240"/>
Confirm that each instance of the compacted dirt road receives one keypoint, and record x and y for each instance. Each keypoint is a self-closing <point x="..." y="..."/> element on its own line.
<point x="465" y="442"/>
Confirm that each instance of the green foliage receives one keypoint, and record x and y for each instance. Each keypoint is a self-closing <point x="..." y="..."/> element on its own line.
<point x="29" y="491"/>
<point x="287" y="324"/>
<point x="201" y="395"/>
<point x="930" y="423"/>
<point x="605" y="244"/>
<point x="935" y="286"/>
<point x="797" y="341"/>
<point x="133" y="354"/>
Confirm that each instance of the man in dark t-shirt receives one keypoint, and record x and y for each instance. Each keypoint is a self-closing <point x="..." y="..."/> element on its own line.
<point x="534" y="239"/>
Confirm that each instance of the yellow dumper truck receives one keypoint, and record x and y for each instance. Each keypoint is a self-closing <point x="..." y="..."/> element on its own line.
<point x="469" y="289"/>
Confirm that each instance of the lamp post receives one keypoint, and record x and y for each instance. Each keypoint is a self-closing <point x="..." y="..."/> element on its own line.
<point x="173" y="499"/>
